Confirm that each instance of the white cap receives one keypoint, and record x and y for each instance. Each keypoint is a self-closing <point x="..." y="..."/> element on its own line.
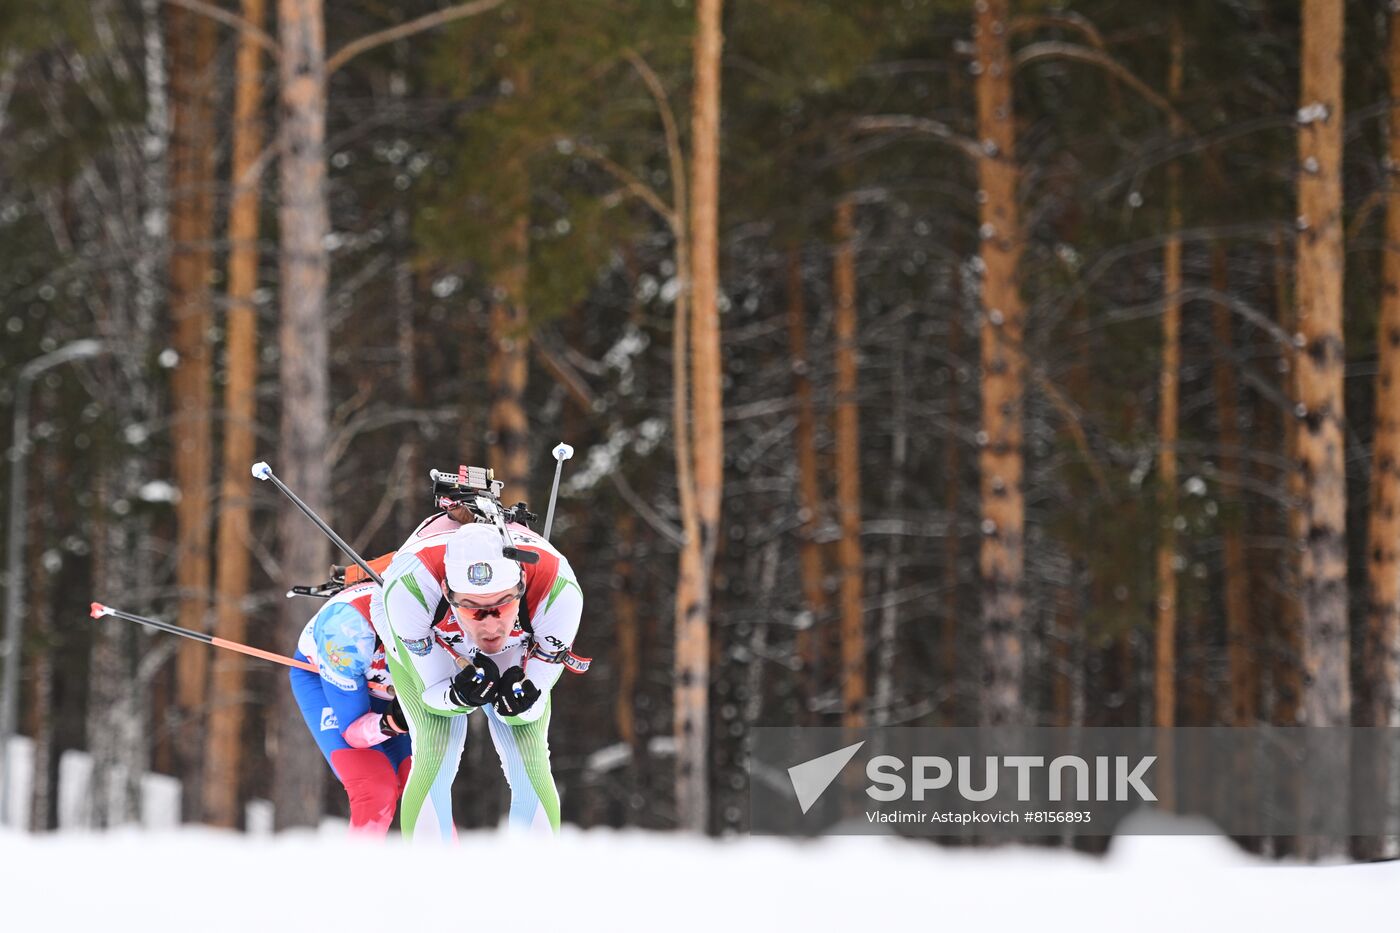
<point x="475" y="564"/>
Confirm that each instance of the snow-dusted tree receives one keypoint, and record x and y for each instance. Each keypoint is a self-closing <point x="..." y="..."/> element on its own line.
<point x="1001" y="457"/>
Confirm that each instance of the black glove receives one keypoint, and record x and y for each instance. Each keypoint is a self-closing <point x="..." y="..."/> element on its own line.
<point x="515" y="693"/>
<point x="392" y="721"/>
<point x="475" y="684"/>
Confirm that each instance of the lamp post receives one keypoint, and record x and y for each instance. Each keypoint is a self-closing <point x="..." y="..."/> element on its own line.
<point x="18" y="528"/>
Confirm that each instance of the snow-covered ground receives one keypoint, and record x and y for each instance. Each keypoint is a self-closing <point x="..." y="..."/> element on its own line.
<point x="165" y="878"/>
<point x="198" y="880"/>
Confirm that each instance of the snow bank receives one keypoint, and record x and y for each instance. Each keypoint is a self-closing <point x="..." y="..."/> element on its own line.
<point x="599" y="880"/>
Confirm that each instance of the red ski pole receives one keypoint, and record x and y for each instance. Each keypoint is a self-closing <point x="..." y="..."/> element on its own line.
<point x="99" y="610"/>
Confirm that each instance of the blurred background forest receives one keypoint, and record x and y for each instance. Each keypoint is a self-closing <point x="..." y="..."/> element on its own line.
<point x="932" y="362"/>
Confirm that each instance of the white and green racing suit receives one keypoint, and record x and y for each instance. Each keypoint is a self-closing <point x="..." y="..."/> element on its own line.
<point x="425" y="647"/>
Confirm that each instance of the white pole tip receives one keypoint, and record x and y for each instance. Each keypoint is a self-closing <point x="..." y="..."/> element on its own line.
<point x="261" y="470"/>
<point x="563" y="452"/>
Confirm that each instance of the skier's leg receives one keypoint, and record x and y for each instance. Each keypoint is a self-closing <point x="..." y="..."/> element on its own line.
<point x="524" y="754"/>
<point x="399" y="750"/>
<point x="366" y="773"/>
<point x="438" y="740"/>
<point x="315" y="711"/>
<point x="371" y="785"/>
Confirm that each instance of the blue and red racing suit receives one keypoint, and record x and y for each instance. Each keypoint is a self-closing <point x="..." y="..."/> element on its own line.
<point x="343" y="703"/>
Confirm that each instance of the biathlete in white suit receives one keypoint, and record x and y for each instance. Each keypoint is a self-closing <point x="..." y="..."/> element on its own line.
<point x="348" y="704"/>
<point x="464" y="628"/>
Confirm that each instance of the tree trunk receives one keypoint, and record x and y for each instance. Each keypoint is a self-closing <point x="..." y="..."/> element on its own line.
<point x="117" y="765"/>
<point x="1240" y="639"/>
<point x="1288" y="648"/>
<point x="693" y="616"/>
<point x="952" y="505"/>
<point x="1063" y="674"/>
<point x="409" y="507"/>
<point x="126" y="303"/>
<point x="1381" y="658"/>
<point x="304" y="371"/>
<point x="1279" y="578"/>
<point x="627" y="633"/>
<point x="224" y="741"/>
<point x="1326" y="699"/>
<point x="854" y="696"/>
<point x="887" y="643"/>
<point x="508" y="428"/>
<point x="1169" y="394"/>
<point x="1072" y="644"/>
<point x="1001" y="457"/>
<point x="1327" y="692"/>
<point x="508" y="369"/>
<point x="38" y="659"/>
<point x="193" y="144"/>
<point x="810" y="509"/>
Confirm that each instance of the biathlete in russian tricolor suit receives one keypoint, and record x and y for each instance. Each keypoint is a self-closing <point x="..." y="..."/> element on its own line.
<point x="349" y="708"/>
<point x="501" y="647"/>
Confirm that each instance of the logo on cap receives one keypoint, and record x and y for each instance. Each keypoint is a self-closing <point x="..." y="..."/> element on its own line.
<point x="479" y="574"/>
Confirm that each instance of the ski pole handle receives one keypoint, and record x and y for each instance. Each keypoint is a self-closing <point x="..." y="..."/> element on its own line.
<point x="561" y="453"/>
<point x="264" y="472"/>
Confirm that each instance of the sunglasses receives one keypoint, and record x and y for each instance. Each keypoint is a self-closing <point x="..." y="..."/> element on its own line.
<point x="482" y="613"/>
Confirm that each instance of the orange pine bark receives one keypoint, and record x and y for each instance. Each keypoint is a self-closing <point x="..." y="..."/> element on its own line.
<point x="703" y="444"/>
<point x="1327" y="689"/>
<point x="1168" y="395"/>
<point x="223" y="742"/>
<point x="192" y="48"/>
<point x="1001" y="454"/>
<point x="854" y="693"/>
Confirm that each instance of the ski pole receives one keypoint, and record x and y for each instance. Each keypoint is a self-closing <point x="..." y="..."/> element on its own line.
<point x="561" y="453"/>
<point x="98" y="611"/>
<point x="264" y="472"/>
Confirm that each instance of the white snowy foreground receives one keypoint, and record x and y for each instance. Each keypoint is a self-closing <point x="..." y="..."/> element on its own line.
<point x="197" y="880"/>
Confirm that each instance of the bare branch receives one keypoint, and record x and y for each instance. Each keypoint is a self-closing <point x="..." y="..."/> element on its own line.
<point x="1075" y="21"/>
<point x="1069" y="20"/>
<point x="894" y="123"/>
<point x="152" y="661"/>
<point x="1075" y="423"/>
<point x="649" y="515"/>
<point x="1038" y="50"/>
<point x="1363" y="213"/>
<point x="232" y="20"/>
<point x="391" y="497"/>
<point x="632" y="183"/>
<point x="668" y="126"/>
<point x="249" y="179"/>
<point x="404" y="30"/>
<point x="566" y="376"/>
